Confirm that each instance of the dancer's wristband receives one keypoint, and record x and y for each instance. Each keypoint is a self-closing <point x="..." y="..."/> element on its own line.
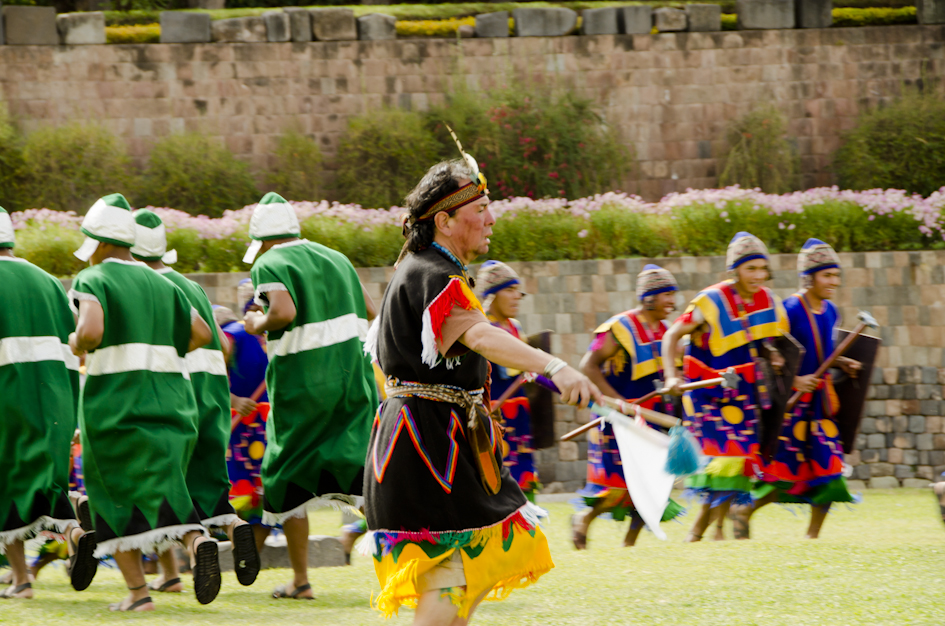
<point x="554" y="366"/>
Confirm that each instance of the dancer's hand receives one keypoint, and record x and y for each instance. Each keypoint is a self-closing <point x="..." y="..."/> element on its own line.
<point x="576" y="388"/>
<point x="243" y="406"/>
<point x="673" y="387"/>
<point x="805" y="384"/>
<point x="251" y="322"/>
<point x="849" y="366"/>
<point x="74" y="345"/>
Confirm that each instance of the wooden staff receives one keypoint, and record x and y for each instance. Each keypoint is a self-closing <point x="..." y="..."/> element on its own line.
<point x="729" y="380"/>
<point x="260" y="390"/>
<point x="866" y="320"/>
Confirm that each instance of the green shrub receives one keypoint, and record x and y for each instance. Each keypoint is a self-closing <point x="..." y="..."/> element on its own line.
<point x="70" y="167"/>
<point x="51" y="247"/>
<point x="296" y="169"/>
<point x="375" y="246"/>
<point x="873" y="16"/>
<point x="382" y="156"/>
<point x="533" y="143"/>
<point x="758" y="155"/>
<point x="901" y="145"/>
<point x="138" y="33"/>
<point x="194" y="173"/>
<point x="729" y="21"/>
<point x="12" y="167"/>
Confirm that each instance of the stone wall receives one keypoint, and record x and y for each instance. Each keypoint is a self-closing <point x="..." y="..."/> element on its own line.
<point x="669" y="95"/>
<point x="903" y="435"/>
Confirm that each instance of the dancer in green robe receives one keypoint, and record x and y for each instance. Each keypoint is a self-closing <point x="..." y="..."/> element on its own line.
<point x="137" y="411"/>
<point x="39" y="384"/>
<point x="207" y="478"/>
<point x="320" y="382"/>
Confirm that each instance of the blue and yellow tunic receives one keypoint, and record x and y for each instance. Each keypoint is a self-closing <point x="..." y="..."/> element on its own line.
<point x="808" y="464"/>
<point x="634" y="371"/>
<point x="725" y="421"/>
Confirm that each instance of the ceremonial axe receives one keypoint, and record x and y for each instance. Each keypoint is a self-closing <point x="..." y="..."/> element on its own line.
<point x="728" y="380"/>
<point x="865" y="321"/>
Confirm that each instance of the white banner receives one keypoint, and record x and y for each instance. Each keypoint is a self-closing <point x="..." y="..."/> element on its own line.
<point x="643" y="453"/>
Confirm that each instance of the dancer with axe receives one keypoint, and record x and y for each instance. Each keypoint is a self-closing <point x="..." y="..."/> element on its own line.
<point x="807" y="466"/>
<point x="624" y="362"/>
<point x="731" y="324"/>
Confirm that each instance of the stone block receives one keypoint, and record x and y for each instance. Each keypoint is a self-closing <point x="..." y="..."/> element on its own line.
<point x="869" y="456"/>
<point x="300" y="24"/>
<point x="904" y="471"/>
<point x="210" y="5"/>
<point x="465" y="31"/>
<point x="239" y="29"/>
<point x="549" y="22"/>
<point x="916" y="483"/>
<point x="635" y="20"/>
<point x="930" y="407"/>
<point x="868" y="425"/>
<point x="910" y="375"/>
<point x="861" y="472"/>
<point x="916" y="424"/>
<point x="883" y="424"/>
<point x="599" y="21"/>
<point x="929" y="375"/>
<point x="81" y="28"/>
<point x="813" y="13"/>
<point x="933" y="423"/>
<point x="765" y="14"/>
<point x="902" y="440"/>
<point x="337" y="24"/>
<point x="876" y="441"/>
<point x="924" y="441"/>
<point x="277" y="26"/>
<point x="924" y="471"/>
<point x="910" y="457"/>
<point x="937" y="457"/>
<point x="882" y="469"/>
<point x="860" y="441"/>
<point x="900" y="424"/>
<point x="322" y="552"/>
<point x="669" y="20"/>
<point x="376" y="27"/>
<point x="568" y="451"/>
<point x="884" y="482"/>
<point x="704" y="17"/>
<point x="877" y="378"/>
<point x="30" y="26"/>
<point x="180" y="27"/>
<point x="492" y="24"/>
<point x="938" y="441"/>
<point x="856" y="485"/>
<point x="566" y="470"/>
<point x="895" y="455"/>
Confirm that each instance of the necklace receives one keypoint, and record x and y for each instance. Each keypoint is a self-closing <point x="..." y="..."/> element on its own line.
<point x="452" y="257"/>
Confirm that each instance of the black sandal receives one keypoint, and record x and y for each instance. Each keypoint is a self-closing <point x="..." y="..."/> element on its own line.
<point x="84" y="514"/>
<point x="280" y="592"/>
<point x="10" y="592"/>
<point x="163" y="587"/>
<point x="245" y="556"/>
<point x="82" y="564"/>
<point x="131" y="607"/>
<point x="206" y="571"/>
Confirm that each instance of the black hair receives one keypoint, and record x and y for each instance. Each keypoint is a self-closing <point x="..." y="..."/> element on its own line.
<point x="440" y="180"/>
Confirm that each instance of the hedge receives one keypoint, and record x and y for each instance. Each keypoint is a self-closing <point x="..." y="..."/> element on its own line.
<point x="610" y="225"/>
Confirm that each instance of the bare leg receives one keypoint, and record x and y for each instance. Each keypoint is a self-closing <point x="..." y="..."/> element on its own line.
<point x="170" y="570"/>
<point x="719" y="513"/>
<point x="818" y="513"/>
<point x="741" y="515"/>
<point x="260" y="533"/>
<point x="435" y="610"/>
<point x="702" y="522"/>
<point x="296" y="535"/>
<point x="636" y="525"/>
<point x="131" y="568"/>
<point x="16" y="555"/>
<point x="582" y="524"/>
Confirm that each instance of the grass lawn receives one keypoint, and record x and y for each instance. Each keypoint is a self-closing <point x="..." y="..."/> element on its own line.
<point x="881" y="563"/>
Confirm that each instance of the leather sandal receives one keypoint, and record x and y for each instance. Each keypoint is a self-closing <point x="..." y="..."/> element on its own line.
<point x="280" y="592"/>
<point x="162" y="588"/>
<point x="116" y="606"/>
<point x="206" y="571"/>
<point x="82" y="564"/>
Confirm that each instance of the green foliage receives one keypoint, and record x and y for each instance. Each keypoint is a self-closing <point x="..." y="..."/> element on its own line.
<point x="70" y="167"/>
<point x="874" y="16"/>
<point x="758" y="155"/>
<point x="196" y="174"/>
<point x="131" y="18"/>
<point x="141" y="33"/>
<point x="295" y="171"/>
<point x="12" y="167"/>
<point x="364" y="246"/>
<point x="729" y="21"/>
<point x="533" y="143"/>
<point x="901" y="145"/>
<point x="382" y="156"/>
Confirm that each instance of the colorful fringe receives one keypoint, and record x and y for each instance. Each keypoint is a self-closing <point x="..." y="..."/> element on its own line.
<point x="497" y="559"/>
<point x="817" y="493"/>
<point x="618" y="503"/>
<point x="723" y="479"/>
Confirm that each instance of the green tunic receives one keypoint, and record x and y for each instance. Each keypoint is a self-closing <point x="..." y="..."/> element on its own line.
<point x="207" y="478"/>
<point x="321" y="384"/>
<point x="137" y="409"/>
<point x="39" y="384"/>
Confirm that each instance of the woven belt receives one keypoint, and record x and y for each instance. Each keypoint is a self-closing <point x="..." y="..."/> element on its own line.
<point x="438" y="393"/>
